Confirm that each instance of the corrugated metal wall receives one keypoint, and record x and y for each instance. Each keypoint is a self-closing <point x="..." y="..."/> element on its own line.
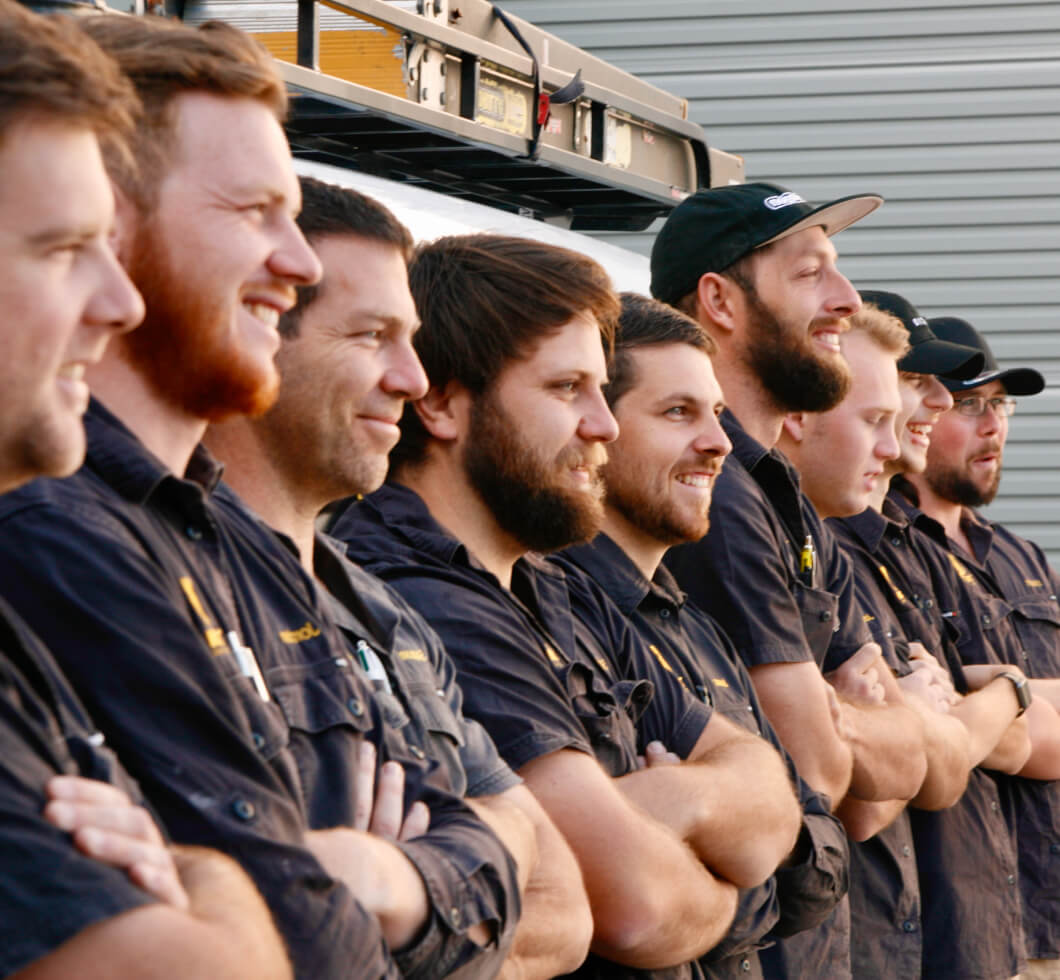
<point x="949" y="108"/>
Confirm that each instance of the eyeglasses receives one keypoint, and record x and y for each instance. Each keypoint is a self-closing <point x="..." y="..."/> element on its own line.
<point x="975" y="405"/>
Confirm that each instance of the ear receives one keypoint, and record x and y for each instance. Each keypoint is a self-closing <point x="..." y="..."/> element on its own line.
<point x="444" y="412"/>
<point x="716" y="303"/>
<point x="795" y="426"/>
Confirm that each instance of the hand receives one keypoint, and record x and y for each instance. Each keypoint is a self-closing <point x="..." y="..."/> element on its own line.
<point x="921" y="659"/>
<point x="921" y="684"/>
<point x="108" y="827"/>
<point x="842" y="724"/>
<point x="655" y="754"/>
<point x="859" y="679"/>
<point x="380" y="805"/>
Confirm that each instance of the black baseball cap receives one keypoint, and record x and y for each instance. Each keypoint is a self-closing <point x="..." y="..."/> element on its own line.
<point x="927" y="353"/>
<point x="711" y="229"/>
<point x="1017" y="381"/>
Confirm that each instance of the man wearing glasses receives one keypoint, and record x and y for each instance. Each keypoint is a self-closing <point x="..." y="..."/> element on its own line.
<point x="964" y="472"/>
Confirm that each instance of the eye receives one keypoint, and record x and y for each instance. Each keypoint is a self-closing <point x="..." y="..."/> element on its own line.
<point x="677" y="412"/>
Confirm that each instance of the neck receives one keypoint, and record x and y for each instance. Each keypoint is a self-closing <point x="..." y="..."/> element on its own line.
<point x="259" y="478"/>
<point x="745" y="397"/>
<point x="644" y="551"/>
<point x="165" y="430"/>
<point x="442" y="484"/>
<point x="946" y="512"/>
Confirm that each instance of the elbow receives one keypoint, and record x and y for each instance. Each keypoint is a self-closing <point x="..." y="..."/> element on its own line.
<point x="941" y="791"/>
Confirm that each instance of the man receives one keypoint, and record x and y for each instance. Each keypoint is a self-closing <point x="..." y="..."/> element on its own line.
<point x="755" y="266"/>
<point x="963" y="471"/>
<point x="89" y="887"/>
<point x="223" y="686"/>
<point x="499" y="459"/>
<point x="898" y="921"/>
<point x="658" y="482"/>
<point x="347" y="366"/>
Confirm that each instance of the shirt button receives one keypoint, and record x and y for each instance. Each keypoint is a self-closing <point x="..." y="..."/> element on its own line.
<point x="930" y="603"/>
<point x="440" y="692"/>
<point x="825" y="616"/>
<point x="896" y="541"/>
<point x="355" y="706"/>
<point x="908" y="926"/>
<point x="417" y="752"/>
<point x="906" y="851"/>
<point x="258" y="739"/>
<point x="664" y="613"/>
<point x="986" y="619"/>
<point x="745" y="966"/>
<point x="1011" y="879"/>
<point x="244" y="809"/>
<point x="1054" y="848"/>
<point x="1025" y="655"/>
<point x="455" y="915"/>
<point x="993" y="805"/>
<point x="194" y="532"/>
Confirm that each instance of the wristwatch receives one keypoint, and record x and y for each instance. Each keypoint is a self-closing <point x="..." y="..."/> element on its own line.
<point x="1022" y="688"/>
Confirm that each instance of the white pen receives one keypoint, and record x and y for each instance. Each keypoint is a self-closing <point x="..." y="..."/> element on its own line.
<point x="248" y="664"/>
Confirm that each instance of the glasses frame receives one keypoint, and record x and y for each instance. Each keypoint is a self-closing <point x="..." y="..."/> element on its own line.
<point x="974" y="406"/>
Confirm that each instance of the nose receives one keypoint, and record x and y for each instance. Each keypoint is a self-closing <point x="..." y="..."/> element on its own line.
<point x="887" y="446"/>
<point x="937" y="397"/>
<point x="843" y="299"/>
<point x="404" y="376"/>
<point x="597" y="423"/>
<point x="991" y="420"/>
<point x="292" y="259"/>
<point x="712" y="441"/>
<point x="116" y="303"/>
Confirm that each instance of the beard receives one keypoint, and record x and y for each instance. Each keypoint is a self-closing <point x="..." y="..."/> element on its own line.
<point x="184" y="348"/>
<point x="521" y="489"/>
<point x="796" y="376"/>
<point x="953" y="484"/>
<point x="651" y="512"/>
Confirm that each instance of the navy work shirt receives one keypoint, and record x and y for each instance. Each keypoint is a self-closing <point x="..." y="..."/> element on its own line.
<point x="748" y="571"/>
<point x="1009" y="602"/>
<point x="158" y="615"/>
<point x="689" y="645"/>
<point x="534" y="675"/>
<point x="49" y="890"/>
<point x="966" y="855"/>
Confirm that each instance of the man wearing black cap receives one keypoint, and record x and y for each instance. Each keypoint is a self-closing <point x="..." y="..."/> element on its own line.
<point x="754" y="265"/>
<point x="963" y="472"/>
<point x="918" y="883"/>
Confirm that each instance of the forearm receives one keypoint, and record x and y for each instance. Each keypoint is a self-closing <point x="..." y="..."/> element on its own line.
<point x="556" y="926"/>
<point x="514" y="829"/>
<point x="1043" y="728"/>
<point x="988" y="715"/>
<point x="862" y="819"/>
<point x="740" y="828"/>
<point x="1048" y="689"/>
<point x="946" y="747"/>
<point x="888" y="749"/>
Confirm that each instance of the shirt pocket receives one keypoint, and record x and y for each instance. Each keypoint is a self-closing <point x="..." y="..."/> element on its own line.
<point x="1037" y="622"/>
<point x="603" y="719"/>
<point x="819" y="611"/>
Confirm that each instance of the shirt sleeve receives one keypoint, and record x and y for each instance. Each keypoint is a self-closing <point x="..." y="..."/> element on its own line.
<point x="737" y="573"/>
<point x="502" y="665"/>
<point x="210" y="761"/>
<point x="851" y="631"/>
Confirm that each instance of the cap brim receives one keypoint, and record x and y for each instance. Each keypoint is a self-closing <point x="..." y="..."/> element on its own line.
<point x="833" y="217"/>
<point x="1017" y="381"/>
<point x="942" y="358"/>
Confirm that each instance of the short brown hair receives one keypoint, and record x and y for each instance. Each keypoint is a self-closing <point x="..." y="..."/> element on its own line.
<point x="885" y="330"/>
<point x="487" y="300"/>
<point x="165" y="59"/>
<point x="329" y="210"/>
<point x="647" y="322"/>
<point x="50" y="71"/>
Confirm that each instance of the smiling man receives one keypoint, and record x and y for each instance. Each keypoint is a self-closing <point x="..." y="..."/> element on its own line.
<point x="659" y="483"/>
<point x="196" y="651"/>
<point x="500" y="459"/>
<point x="755" y="266"/>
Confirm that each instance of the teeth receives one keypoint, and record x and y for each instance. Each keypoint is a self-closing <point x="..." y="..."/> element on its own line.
<point x="73" y="371"/>
<point x="694" y="480"/>
<point x="268" y="315"/>
<point x="920" y="429"/>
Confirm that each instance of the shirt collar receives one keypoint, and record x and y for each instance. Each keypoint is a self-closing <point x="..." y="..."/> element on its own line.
<point x="618" y="575"/>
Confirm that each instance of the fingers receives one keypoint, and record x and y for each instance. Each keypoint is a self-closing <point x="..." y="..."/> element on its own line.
<point x="389" y="802"/>
<point x="655" y="754"/>
<point x="364" y="786"/>
<point x="417" y="822"/>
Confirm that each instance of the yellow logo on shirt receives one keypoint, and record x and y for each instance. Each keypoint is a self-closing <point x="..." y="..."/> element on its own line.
<point x="1034" y="583"/>
<point x="554" y="658"/>
<point x="417" y="655"/>
<point x="666" y="664"/>
<point x="898" y="593"/>
<point x="962" y="573"/>
<point x="215" y="638"/>
<point x="300" y="635"/>
<point x="719" y="682"/>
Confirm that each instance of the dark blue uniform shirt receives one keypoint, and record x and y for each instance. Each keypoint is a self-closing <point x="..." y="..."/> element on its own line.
<point x="536" y="677"/>
<point x="49" y="890"/>
<point x="966" y="860"/>
<point x="158" y="612"/>
<point x="690" y="646"/>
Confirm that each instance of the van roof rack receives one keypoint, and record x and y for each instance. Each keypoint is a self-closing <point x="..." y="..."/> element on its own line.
<point x="460" y="97"/>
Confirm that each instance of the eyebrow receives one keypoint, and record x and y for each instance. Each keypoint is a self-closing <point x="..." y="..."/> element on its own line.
<point x="63" y="233"/>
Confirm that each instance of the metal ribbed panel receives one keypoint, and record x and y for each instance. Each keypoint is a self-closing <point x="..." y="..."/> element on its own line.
<point x="951" y="109"/>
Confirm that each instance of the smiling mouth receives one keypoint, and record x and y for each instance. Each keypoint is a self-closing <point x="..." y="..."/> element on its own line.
<point x="829" y="339"/>
<point x="265" y="313"/>
<point x="701" y="481"/>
